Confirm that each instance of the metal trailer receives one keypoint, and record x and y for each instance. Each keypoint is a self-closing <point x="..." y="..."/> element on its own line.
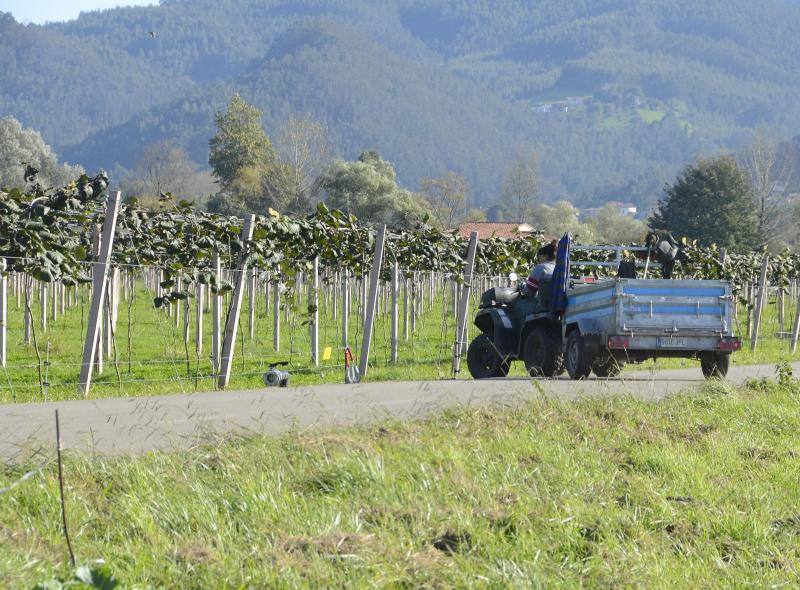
<point x="618" y="321"/>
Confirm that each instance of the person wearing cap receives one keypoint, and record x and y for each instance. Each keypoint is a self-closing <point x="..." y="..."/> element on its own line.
<point x="543" y="271"/>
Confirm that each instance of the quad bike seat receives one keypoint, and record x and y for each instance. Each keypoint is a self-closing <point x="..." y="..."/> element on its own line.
<point x="499" y="296"/>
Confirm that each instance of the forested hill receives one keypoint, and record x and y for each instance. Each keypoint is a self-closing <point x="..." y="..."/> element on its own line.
<point x="615" y="94"/>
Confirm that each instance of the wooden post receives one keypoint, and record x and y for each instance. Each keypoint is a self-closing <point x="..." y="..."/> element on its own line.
<point x="216" y="300"/>
<point x="763" y="299"/>
<point x="99" y="284"/>
<point x="395" y="287"/>
<point x="463" y="303"/>
<point x="232" y="325"/>
<point x="313" y="305"/>
<point x="369" y="316"/>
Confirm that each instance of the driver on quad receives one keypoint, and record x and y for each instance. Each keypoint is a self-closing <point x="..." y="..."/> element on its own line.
<point x="543" y="271"/>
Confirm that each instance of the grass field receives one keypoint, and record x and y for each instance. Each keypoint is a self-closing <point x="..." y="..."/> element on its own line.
<point x="160" y="361"/>
<point x="696" y="491"/>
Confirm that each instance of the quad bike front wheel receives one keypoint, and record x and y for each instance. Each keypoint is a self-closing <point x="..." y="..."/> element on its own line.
<point x="483" y="360"/>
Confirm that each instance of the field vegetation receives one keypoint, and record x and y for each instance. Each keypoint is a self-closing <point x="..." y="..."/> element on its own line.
<point x="697" y="490"/>
<point x="151" y="356"/>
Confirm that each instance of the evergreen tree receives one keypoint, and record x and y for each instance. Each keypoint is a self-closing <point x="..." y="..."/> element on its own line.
<point x="710" y="202"/>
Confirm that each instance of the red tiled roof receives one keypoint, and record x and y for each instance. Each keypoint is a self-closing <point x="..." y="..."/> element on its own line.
<point x="487" y="229"/>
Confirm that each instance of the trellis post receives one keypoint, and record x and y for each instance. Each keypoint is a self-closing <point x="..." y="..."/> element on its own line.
<point x="369" y="315"/>
<point x="43" y="304"/>
<point x="763" y="299"/>
<point x="276" y="313"/>
<point x="796" y="328"/>
<point x="99" y="285"/>
<point x="231" y="326"/>
<point x="216" y="301"/>
<point x="463" y="303"/>
<point x="251" y="301"/>
<point x="313" y="305"/>
<point x="395" y="287"/>
<point x="198" y="320"/>
<point x="3" y="312"/>
<point x="345" y="308"/>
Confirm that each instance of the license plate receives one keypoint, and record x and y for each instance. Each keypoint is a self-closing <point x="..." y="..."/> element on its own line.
<point x="670" y="342"/>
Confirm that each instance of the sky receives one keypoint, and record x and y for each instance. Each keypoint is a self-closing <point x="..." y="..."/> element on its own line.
<point x="42" y="11"/>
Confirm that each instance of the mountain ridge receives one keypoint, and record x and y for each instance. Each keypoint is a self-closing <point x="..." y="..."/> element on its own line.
<point x="434" y="85"/>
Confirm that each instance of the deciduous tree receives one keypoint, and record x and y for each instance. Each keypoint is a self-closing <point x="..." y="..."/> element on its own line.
<point x="367" y="188"/>
<point x="447" y="197"/>
<point x="521" y="186"/>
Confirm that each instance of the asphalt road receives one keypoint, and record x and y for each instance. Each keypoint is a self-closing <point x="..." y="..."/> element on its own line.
<point x="134" y="425"/>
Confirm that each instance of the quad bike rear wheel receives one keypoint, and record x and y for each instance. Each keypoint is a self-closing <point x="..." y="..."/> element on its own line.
<point x="542" y="353"/>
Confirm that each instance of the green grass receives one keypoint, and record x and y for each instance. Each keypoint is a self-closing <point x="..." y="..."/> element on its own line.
<point x="160" y="362"/>
<point x="696" y="491"/>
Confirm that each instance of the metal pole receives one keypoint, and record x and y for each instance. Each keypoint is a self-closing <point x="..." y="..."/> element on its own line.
<point x="99" y="284"/>
<point x="232" y="325"/>
<point x="369" y="315"/>
<point x="463" y="303"/>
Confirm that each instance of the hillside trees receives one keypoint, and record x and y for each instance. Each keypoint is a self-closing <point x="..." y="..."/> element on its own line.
<point x="711" y="202"/>
<point x="19" y="147"/>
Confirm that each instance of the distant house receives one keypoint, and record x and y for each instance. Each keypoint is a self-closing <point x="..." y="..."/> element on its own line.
<point x="488" y="229"/>
<point x="629" y="209"/>
<point x="543" y="108"/>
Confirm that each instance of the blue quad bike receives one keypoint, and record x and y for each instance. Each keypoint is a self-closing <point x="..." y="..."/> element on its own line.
<point x="515" y="326"/>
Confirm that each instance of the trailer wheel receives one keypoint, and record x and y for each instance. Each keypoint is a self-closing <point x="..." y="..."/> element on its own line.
<point x="608" y="367"/>
<point x="542" y="353"/>
<point x="483" y="360"/>
<point x="578" y="361"/>
<point x="714" y="365"/>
